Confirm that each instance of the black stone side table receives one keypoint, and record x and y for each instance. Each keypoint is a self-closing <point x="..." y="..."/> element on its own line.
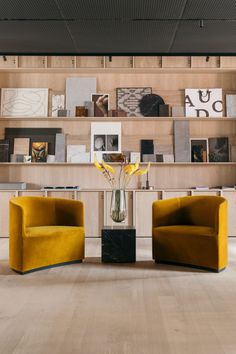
<point x="118" y="244"/>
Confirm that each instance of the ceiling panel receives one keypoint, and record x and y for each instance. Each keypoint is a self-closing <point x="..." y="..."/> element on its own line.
<point x="29" y="9"/>
<point x="214" y="37"/>
<point x="210" y="9"/>
<point x="127" y="37"/>
<point x="36" y="37"/>
<point x="118" y="9"/>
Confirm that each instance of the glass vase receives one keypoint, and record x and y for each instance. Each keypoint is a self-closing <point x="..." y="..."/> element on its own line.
<point x="118" y="210"/>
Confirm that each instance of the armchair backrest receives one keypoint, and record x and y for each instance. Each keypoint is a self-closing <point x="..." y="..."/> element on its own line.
<point x="35" y="211"/>
<point x="192" y="210"/>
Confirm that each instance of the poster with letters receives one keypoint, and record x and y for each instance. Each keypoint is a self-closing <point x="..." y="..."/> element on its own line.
<point x="203" y="102"/>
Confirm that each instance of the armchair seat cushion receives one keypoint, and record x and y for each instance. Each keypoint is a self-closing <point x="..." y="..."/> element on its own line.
<point x="54" y="231"/>
<point x="184" y="231"/>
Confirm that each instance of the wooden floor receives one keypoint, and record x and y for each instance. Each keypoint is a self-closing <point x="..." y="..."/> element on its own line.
<point x="95" y="308"/>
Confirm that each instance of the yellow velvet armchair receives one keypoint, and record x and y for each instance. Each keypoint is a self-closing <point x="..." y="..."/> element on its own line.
<point x="191" y="231"/>
<point x="45" y="232"/>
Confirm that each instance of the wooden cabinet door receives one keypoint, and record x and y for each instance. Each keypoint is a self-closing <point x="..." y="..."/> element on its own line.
<point x="147" y="62"/>
<point x="143" y="212"/>
<point x="5" y="197"/>
<point x="90" y="62"/>
<point x="174" y="194"/>
<point x="61" y="194"/>
<point x="8" y="61"/>
<point x="61" y="62"/>
<point x="31" y="61"/>
<point x="93" y="212"/>
<point x="176" y="62"/>
<point x="118" y="62"/>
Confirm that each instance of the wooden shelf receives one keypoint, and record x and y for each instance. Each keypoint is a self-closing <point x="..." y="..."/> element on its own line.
<point x="122" y="119"/>
<point x="191" y="164"/>
<point x="117" y="70"/>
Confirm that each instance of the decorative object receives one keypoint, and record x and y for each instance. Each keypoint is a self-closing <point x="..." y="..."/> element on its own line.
<point x="51" y="158"/>
<point x="24" y="102"/>
<point x="105" y="137"/>
<point x="147" y="147"/>
<point x="203" y="102"/>
<point x="199" y="150"/>
<point x="231" y="106"/>
<point x="63" y="113"/>
<point x="13" y="185"/>
<point x="150" y="105"/>
<point x="118" y="244"/>
<point x="73" y="150"/>
<point x="4" y="150"/>
<point x="60" y="148"/>
<point x="159" y="158"/>
<point x="16" y="158"/>
<point x="79" y="90"/>
<point x="233" y="153"/>
<point x="101" y="104"/>
<point x="181" y="141"/>
<point x="39" y="151"/>
<point x="81" y="157"/>
<point x="34" y="134"/>
<point x="21" y="146"/>
<point x="168" y="158"/>
<point x="58" y="103"/>
<point x="128" y="99"/>
<point x="178" y="111"/>
<point x="135" y="157"/>
<point x="149" y="158"/>
<point x="119" y="184"/>
<point x="90" y="107"/>
<point x="164" y="110"/>
<point x="117" y="113"/>
<point x="116" y="157"/>
<point x="218" y="149"/>
<point x="81" y="111"/>
<point x="28" y="158"/>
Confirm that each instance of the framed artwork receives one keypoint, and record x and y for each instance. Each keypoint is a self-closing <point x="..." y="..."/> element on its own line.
<point x="218" y="149"/>
<point x="203" y="102"/>
<point x="105" y="138"/>
<point x="199" y="150"/>
<point x="128" y="99"/>
<point x="4" y="150"/>
<point x="39" y="151"/>
<point x="115" y="157"/>
<point x="101" y="104"/>
<point x="24" y="102"/>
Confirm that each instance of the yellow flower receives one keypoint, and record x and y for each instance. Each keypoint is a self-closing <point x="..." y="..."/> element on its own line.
<point x="108" y="168"/>
<point x="97" y="164"/>
<point x="144" y="171"/>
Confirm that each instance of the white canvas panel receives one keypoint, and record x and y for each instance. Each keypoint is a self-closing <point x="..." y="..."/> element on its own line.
<point x="79" y="90"/>
<point x="24" y="102"/>
<point x="203" y="102"/>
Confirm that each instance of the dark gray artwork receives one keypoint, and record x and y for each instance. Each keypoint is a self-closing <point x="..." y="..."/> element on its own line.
<point x="218" y="149"/>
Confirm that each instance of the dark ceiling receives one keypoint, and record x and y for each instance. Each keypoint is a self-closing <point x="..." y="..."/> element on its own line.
<point x="118" y="27"/>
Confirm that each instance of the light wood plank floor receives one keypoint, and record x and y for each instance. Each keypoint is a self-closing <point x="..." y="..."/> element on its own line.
<point x="95" y="308"/>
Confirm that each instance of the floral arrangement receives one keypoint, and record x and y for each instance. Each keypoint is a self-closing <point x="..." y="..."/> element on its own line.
<point x="126" y="171"/>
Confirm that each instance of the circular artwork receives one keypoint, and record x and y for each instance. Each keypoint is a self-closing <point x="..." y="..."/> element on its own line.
<point x="149" y="105"/>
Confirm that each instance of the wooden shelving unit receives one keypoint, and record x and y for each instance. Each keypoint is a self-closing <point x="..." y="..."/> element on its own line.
<point x="168" y="77"/>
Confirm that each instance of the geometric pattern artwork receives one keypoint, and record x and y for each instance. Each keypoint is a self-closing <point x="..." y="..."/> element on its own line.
<point x="24" y="102"/>
<point x="128" y="99"/>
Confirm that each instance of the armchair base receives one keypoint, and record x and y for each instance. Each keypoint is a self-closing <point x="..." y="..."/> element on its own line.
<point x="47" y="267"/>
<point x="190" y="266"/>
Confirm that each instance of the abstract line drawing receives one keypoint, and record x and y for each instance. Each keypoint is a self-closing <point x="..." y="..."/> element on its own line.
<point x="24" y="102"/>
<point x="128" y="99"/>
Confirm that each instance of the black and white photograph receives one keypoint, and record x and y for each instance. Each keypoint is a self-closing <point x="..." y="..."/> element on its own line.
<point x="99" y="143"/>
<point x="112" y="142"/>
<point x="105" y="138"/>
